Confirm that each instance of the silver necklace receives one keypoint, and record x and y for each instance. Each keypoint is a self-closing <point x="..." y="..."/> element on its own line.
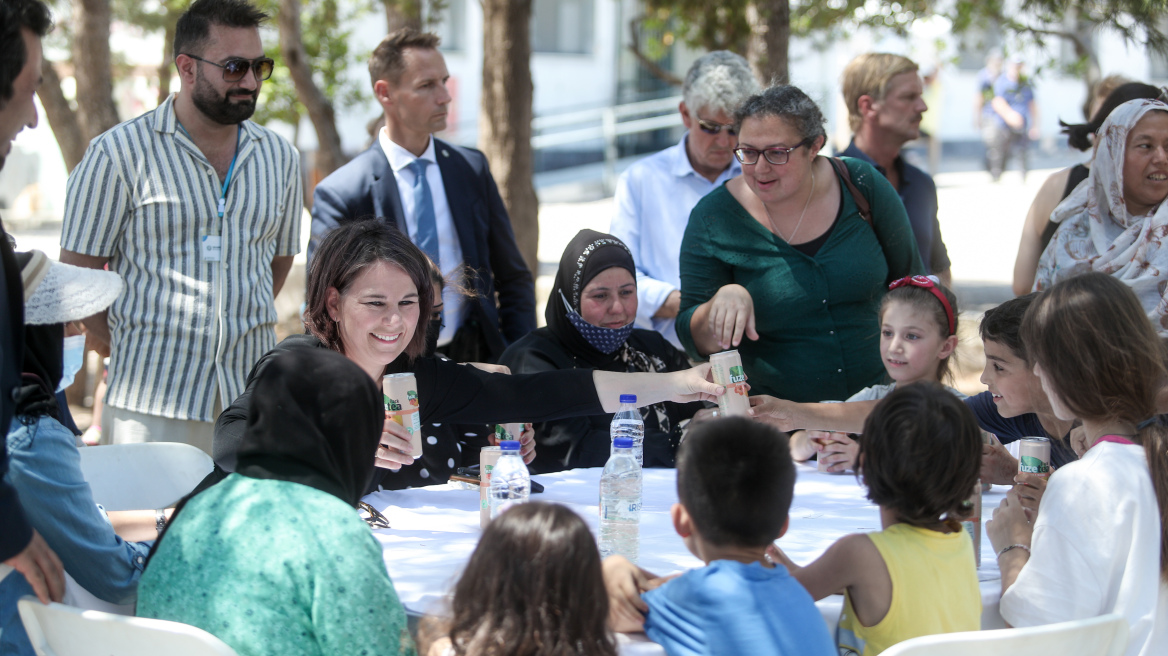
<point x="801" y="214"/>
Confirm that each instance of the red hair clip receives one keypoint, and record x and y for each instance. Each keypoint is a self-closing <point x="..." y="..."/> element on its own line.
<point x="926" y="282"/>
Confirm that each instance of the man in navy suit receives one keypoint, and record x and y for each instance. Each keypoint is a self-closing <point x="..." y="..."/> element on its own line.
<point x="440" y="194"/>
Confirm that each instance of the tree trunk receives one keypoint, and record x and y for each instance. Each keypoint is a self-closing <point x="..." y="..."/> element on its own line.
<point x="505" y="119"/>
<point x="402" y="13"/>
<point x="329" y="155"/>
<point x="164" y="69"/>
<point x="92" y="67"/>
<point x="62" y="119"/>
<point x="770" y="38"/>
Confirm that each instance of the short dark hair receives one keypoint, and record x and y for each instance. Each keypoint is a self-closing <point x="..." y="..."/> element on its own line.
<point x="341" y="257"/>
<point x="15" y="16"/>
<point x="388" y="59"/>
<point x="1003" y="324"/>
<point x="789" y="103"/>
<point x="920" y="455"/>
<point x="735" y="478"/>
<point x="194" y="26"/>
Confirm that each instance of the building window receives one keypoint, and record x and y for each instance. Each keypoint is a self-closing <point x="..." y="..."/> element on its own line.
<point x="563" y="26"/>
<point x="975" y="45"/>
<point x="1157" y="62"/>
<point x="450" y="24"/>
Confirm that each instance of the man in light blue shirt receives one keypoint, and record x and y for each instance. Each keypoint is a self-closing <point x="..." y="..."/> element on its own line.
<point x="655" y="196"/>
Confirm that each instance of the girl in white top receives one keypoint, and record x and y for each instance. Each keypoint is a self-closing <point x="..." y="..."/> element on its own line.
<point x="1097" y="544"/>
<point x="918" y="335"/>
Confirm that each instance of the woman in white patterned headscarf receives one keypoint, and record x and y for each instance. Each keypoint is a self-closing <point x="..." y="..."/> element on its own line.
<point x="1117" y="222"/>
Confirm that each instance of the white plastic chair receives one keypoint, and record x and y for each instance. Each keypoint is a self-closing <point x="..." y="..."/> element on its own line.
<point x="143" y="476"/>
<point x="60" y="630"/>
<point x="1097" y="636"/>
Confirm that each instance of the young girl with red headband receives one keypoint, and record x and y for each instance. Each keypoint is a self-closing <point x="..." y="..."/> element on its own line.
<point x="918" y="335"/>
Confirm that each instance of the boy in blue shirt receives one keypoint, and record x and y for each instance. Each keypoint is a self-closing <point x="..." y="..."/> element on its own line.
<point x="735" y="480"/>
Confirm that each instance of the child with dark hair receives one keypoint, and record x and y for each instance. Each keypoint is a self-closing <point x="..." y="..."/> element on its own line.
<point x="532" y="587"/>
<point x="919" y="459"/>
<point x="1015" y="405"/>
<point x="735" y="481"/>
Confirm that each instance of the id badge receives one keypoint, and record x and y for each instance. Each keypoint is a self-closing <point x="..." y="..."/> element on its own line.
<point x="211" y="247"/>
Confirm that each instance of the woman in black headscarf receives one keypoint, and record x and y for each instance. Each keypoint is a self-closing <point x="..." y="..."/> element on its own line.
<point x="590" y="326"/>
<point x="275" y="559"/>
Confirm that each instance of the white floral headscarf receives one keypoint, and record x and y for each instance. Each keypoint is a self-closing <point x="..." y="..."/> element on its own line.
<point x="1096" y="231"/>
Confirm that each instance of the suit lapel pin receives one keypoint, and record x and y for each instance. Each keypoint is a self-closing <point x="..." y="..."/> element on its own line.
<point x="445" y="153"/>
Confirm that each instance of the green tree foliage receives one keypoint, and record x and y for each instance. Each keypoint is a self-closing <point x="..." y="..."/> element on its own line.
<point x="330" y="57"/>
<point x="725" y="24"/>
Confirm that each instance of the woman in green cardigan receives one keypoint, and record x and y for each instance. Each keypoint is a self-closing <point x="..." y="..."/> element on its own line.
<point x="782" y="256"/>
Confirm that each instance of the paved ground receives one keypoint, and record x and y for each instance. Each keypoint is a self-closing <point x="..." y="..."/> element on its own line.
<point x="980" y="220"/>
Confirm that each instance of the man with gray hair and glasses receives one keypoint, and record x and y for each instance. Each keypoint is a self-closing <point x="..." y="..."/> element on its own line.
<point x="655" y="196"/>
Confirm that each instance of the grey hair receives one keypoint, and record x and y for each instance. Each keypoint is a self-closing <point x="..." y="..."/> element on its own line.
<point x="788" y="103"/>
<point x="718" y="81"/>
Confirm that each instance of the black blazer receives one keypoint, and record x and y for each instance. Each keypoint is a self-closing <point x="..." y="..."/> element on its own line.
<point x="366" y="188"/>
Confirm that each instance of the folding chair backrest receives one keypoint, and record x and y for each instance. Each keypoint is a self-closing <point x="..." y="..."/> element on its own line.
<point x="59" y="630"/>
<point x="143" y="476"/>
<point x="1106" y="635"/>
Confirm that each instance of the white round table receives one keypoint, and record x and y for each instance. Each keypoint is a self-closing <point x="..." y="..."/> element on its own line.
<point x="433" y="531"/>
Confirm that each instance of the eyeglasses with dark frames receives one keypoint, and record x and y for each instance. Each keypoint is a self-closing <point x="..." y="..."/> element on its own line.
<point x="776" y="156"/>
<point x="713" y="127"/>
<point x="375" y="518"/>
<point x="236" y="67"/>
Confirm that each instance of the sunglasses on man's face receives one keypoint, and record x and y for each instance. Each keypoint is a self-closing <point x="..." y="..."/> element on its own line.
<point x="236" y="67"/>
<point x="712" y="127"/>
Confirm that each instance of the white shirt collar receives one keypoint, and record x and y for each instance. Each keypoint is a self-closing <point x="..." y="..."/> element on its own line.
<point x="399" y="158"/>
<point x="682" y="166"/>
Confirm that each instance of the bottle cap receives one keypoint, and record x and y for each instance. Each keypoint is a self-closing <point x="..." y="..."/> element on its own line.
<point x="628" y="398"/>
<point x="509" y="445"/>
<point x="622" y="442"/>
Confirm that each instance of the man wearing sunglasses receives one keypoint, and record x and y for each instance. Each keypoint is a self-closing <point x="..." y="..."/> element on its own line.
<point x="883" y="95"/>
<point x="198" y="209"/>
<point x="655" y="196"/>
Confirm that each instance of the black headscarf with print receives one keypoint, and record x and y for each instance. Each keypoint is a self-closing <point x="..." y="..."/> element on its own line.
<point x="588" y="255"/>
<point x="316" y="419"/>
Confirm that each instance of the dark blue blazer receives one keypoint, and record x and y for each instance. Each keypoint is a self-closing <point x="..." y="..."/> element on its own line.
<point x="366" y="188"/>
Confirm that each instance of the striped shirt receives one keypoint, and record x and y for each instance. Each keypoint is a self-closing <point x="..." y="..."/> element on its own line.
<point x="185" y="327"/>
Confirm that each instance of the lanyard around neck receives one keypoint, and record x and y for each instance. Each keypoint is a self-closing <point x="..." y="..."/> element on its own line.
<point x="222" y="206"/>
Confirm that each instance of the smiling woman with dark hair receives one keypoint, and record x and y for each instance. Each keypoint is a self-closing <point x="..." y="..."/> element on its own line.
<point x="369" y="298"/>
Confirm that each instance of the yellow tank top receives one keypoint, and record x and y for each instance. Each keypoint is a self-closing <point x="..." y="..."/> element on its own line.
<point x="934" y="590"/>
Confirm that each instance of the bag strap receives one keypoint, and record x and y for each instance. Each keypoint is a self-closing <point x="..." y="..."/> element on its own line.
<point x="862" y="204"/>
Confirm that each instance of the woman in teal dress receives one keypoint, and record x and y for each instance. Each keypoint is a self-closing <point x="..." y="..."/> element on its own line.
<point x="275" y="559"/>
<point x="780" y="264"/>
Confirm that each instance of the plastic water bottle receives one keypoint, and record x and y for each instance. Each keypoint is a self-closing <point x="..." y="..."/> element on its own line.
<point x="510" y="482"/>
<point x="627" y="423"/>
<point x="620" y="502"/>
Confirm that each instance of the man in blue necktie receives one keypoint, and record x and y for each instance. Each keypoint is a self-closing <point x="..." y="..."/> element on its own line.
<point x="440" y="194"/>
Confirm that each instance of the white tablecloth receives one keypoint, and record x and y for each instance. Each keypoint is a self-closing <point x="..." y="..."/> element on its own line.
<point x="433" y="531"/>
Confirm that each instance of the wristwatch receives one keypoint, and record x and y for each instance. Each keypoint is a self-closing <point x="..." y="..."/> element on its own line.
<point x="159" y="520"/>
